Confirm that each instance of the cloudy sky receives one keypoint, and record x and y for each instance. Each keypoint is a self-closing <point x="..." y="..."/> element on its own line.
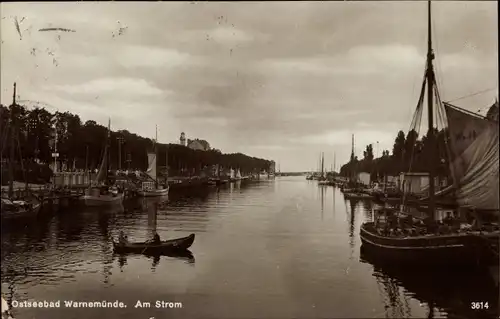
<point x="282" y="81"/>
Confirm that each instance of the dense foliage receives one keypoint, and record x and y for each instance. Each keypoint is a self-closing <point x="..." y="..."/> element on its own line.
<point x="407" y="150"/>
<point x="81" y="145"/>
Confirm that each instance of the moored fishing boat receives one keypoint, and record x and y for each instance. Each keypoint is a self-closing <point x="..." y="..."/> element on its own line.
<point x="101" y="193"/>
<point x="152" y="188"/>
<point x="357" y="196"/>
<point x="18" y="209"/>
<point x="473" y="149"/>
<point x="166" y="246"/>
<point x="461" y="247"/>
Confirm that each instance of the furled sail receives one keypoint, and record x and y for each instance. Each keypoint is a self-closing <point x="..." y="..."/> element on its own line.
<point x="103" y="169"/>
<point x="151" y="165"/>
<point x="474" y="146"/>
<point x="101" y="175"/>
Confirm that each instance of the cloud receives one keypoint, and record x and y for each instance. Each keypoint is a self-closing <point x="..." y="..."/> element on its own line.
<point x="229" y="35"/>
<point x="359" y="60"/>
<point x="131" y="56"/>
<point x="277" y="80"/>
<point x="129" y="86"/>
<point x="343" y="137"/>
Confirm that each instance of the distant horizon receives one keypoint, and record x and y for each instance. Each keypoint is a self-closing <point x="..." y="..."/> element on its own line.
<point x="278" y="81"/>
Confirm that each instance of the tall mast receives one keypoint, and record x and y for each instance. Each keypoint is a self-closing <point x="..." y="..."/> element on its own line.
<point x="322" y="164"/>
<point x="166" y="164"/>
<point x="11" y="159"/>
<point x="334" y="161"/>
<point x="156" y="152"/>
<point x="107" y="148"/>
<point x="430" y="83"/>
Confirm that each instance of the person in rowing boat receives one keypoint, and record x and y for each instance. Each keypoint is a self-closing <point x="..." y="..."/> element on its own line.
<point x="122" y="238"/>
<point x="156" y="239"/>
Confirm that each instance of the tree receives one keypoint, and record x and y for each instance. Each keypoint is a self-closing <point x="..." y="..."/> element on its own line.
<point x="399" y="143"/>
<point x="77" y="143"/>
<point x="368" y="154"/>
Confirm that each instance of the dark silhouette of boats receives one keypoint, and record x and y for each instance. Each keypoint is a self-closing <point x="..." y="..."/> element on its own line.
<point x="473" y="151"/>
<point x="164" y="247"/>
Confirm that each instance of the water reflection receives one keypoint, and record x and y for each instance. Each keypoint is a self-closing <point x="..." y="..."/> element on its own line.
<point x="351" y="213"/>
<point x="322" y="191"/>
<point x="447" y="293"/>
<point x="299" y="258"/>
<point x="186" y="256"/>
<point x="333" y="198"/>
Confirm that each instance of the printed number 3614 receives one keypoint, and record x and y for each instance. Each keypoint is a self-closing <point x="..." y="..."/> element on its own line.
<point x="478" y="305"/>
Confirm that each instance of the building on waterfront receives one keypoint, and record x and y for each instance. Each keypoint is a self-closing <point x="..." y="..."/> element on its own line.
<point x="195" y="144"/>
<point x="415" y="183"/>
<point x="391" y="179"/>
<point x="198" y="144"/>
<point x="364" y="178"/>
<point x="272" y="167"/>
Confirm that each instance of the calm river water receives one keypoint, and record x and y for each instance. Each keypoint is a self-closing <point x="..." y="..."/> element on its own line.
<point x="275" y="249"/>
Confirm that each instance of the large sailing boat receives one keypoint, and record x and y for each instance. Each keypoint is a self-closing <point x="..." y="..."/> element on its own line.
<point x="474" y="167"/>
<point x="152" y="188"/>
<point x="100" y="193"/>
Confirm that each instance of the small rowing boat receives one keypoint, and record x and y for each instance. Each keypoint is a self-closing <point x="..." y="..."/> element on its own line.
<point x="153" y="248"/>
<point x="357" y="196"/>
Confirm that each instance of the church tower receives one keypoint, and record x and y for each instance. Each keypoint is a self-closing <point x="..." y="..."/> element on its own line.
<point x="183" y="139"/>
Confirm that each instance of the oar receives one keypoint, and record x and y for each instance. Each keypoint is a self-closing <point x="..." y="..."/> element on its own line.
<point x="148" y="243"/>
<point x="142" y="252"/>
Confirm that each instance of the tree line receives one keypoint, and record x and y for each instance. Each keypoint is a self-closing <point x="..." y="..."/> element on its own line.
<point x="80" y="146"/>
<point x="409" y="153"/>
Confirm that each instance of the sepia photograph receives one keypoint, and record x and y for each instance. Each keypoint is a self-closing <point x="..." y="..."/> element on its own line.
<point x="260" y="159"/>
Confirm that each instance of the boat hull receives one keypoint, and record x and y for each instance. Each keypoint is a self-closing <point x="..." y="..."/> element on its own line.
<point x="357" y="196"/>
<point x="153" y="192"/>
<point x="452" y="250"/>
<point x="179" y="244"/>
<point x="102" y="200"/>
<point x="22" y="213"/>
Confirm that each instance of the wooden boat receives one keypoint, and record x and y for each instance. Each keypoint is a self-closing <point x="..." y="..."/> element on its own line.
<point x="357" y="196"/>
<point x="19" y="209"/>
<point x="100" y="196"/>
<point x="473" y="150"/>
<point x="166" y="246"/>
<point x="101" y="193"/>
<point x="153" y="192"/>
<point x="466" y="249"/>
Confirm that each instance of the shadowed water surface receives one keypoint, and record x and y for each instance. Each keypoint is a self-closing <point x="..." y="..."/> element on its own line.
<point x="277" y="249"/>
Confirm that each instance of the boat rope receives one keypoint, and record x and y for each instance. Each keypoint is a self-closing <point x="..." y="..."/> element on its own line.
<point x="415" y="126"/>
<point x="437" y="77"/>
<point x="471" y="95"/>
<point x="442" y="115"/>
